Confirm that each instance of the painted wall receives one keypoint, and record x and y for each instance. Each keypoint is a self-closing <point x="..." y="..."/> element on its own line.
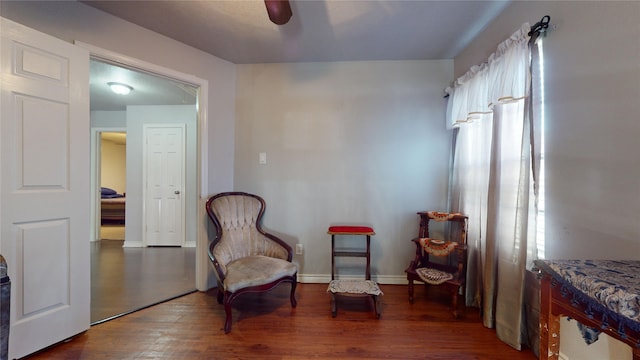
<point x="347" y="142"/>
<point x="113" y="172"/>
<point x="592" y="85"/>
<point x="109" y="120"/>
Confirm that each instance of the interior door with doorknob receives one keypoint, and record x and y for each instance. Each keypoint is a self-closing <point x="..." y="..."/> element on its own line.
<point x="164" y="173"/>
<point x="44" y="186"/>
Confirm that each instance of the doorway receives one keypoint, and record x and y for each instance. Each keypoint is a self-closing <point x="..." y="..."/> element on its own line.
<point x="125" y="274"/>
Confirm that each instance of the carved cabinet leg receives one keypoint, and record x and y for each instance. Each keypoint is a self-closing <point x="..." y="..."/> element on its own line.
<point x="549" y="324"/>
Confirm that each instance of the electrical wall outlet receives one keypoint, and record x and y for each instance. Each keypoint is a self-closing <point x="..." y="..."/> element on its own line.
<point x="299" y="249"/>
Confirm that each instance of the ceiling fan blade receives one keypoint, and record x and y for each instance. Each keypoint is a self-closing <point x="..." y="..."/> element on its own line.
<point x="279" y="11"/>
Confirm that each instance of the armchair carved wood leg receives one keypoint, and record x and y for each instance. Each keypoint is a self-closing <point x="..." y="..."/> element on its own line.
<point x="220" y="296"/>
<point x="292" y="296"/>
<point x="228" y="298"/>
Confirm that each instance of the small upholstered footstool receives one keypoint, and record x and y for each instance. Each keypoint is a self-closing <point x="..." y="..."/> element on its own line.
<point x="365" y="287"/>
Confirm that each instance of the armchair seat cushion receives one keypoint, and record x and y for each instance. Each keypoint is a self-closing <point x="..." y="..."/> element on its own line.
<point x="256" y="270"/>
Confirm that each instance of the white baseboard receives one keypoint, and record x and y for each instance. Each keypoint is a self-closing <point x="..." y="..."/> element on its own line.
<point x="188" y="244"/>
<point x="132" y="243"/>
<point x="562" y="356"/>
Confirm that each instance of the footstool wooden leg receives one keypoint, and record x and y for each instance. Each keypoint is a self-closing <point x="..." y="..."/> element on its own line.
<point x="334" y="308"/>
<point x="376" y="305"/>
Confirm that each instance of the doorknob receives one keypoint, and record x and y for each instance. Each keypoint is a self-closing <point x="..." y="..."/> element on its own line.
<point x="177" y="192"/>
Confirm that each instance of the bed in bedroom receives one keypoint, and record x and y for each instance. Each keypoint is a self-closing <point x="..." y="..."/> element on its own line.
<point x="112" y="207"/>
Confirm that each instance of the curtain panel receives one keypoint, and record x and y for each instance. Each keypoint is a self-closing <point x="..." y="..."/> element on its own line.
<point x="493" y="181"/>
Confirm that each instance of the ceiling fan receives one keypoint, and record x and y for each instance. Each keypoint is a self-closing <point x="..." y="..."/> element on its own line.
<point x="279" y="11"/>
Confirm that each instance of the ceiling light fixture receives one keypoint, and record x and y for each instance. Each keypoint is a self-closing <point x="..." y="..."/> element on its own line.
<point x="120" y="88"/>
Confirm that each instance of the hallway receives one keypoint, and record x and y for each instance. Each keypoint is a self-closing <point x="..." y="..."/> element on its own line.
<point x="127" y="279"/>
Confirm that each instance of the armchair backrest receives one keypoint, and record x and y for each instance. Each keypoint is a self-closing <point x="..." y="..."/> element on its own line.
<point x="237" y="218"/>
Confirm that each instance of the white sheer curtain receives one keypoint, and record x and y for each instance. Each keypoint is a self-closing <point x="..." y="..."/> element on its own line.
<point x="492" y="182"/>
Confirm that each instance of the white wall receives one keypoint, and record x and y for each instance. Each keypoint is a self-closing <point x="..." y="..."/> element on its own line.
<point x="109" y="120"/>
<point x="348" y="142"/>
<point x="113" y="172"/>
<point x="592" y="82"/>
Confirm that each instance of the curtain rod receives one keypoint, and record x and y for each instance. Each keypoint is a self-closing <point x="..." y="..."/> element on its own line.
<point x="540" y="26"/>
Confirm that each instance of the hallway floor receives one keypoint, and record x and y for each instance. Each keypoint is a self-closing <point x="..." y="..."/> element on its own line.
<point x="127" y="279"/>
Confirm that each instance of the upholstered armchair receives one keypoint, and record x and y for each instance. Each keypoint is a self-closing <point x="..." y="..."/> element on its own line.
<point x="245" y="257"/>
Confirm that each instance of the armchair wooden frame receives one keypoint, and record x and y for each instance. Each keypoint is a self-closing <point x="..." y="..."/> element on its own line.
<point x="266" y="248"/>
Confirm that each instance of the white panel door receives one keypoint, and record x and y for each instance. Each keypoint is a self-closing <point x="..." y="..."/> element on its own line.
<point x="44" y="186"/>
<point x="164" y="178"/>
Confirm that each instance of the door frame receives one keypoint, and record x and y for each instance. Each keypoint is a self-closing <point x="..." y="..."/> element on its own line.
<point x="96" y="171"/>
<point x="109" y="56"/>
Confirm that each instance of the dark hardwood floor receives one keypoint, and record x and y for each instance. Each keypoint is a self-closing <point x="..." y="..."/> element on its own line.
<point x="266" y="327"/>
<point x="128" y="279"/>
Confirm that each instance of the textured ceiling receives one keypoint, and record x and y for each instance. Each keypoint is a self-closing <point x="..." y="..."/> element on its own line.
<point x="320" y="30"/>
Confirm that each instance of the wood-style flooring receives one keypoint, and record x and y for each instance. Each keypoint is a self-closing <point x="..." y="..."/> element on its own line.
<point x="127" y="279"/>
<point x="266" y="327"/>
